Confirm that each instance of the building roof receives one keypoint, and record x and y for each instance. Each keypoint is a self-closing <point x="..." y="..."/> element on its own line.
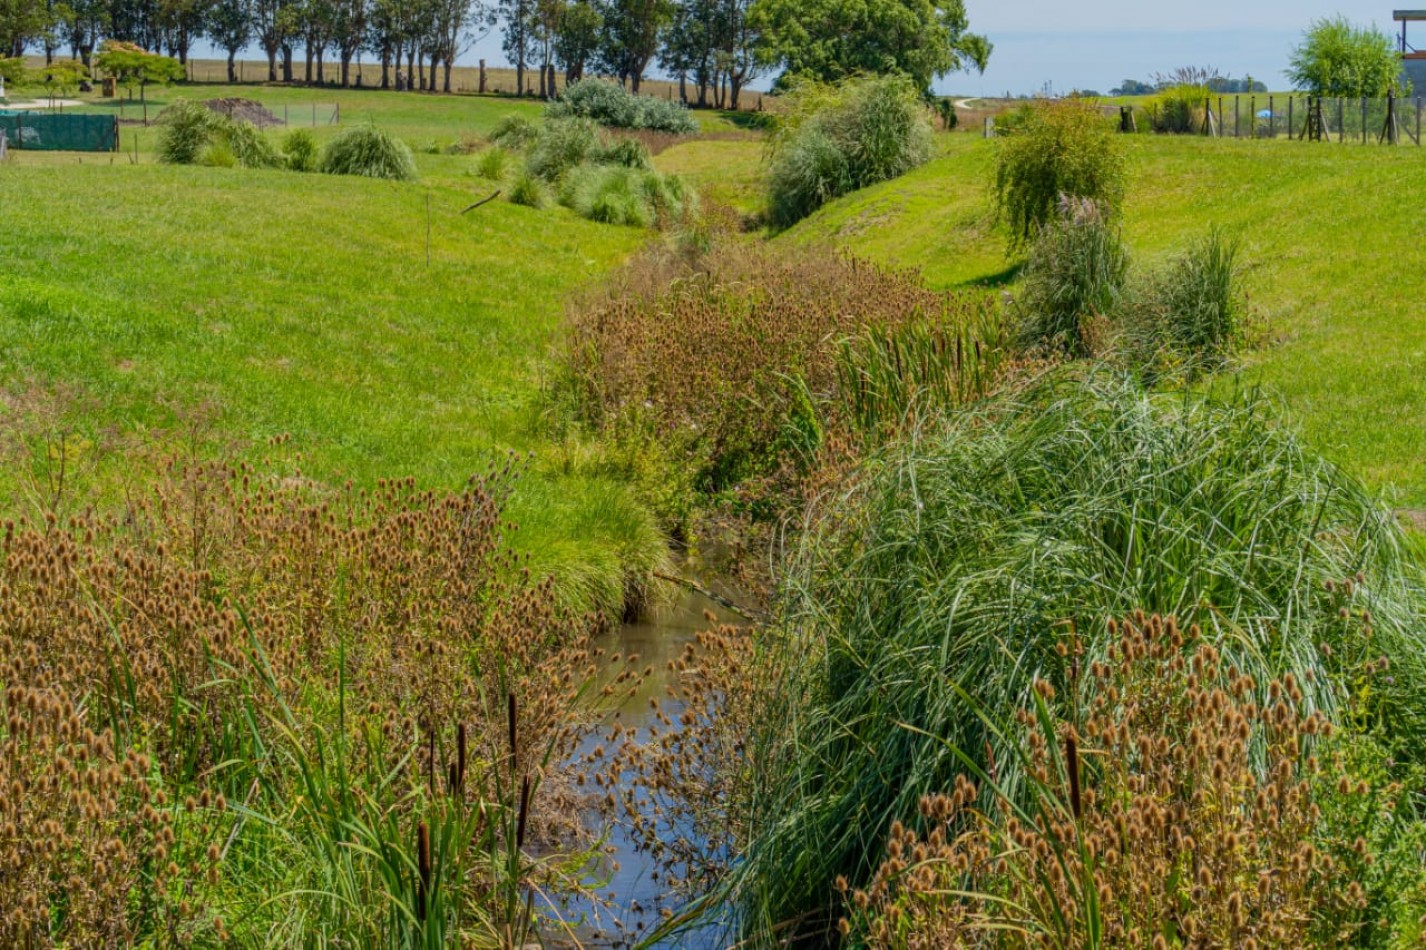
<point x="1401" y="16"/>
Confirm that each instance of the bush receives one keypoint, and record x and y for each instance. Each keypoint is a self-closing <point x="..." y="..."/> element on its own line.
<point x="514" y="132"/>
<point x="562" y="144"/>
<point x="185" y="129"/>
<point x="962" y="560"/>
<point x="1065" y="148"/>
<point x="1074" y="278"/>
<point x="611" y="104"/>
<point x="1179" y="110"/>
<point x="530" y="192"/>
<point x="368" y="153"/>
<point x="300" y="147"/>
<point x="1187" y="318"/>
<point x="493" y="163"/>
<point x="249" y="146"/>
<point x="833" y="140"/>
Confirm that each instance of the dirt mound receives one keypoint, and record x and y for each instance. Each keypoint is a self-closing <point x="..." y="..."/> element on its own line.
<point x="246" y="110"/>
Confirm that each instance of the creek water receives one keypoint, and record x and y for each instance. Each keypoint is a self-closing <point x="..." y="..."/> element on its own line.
<point x="635" y="894"/>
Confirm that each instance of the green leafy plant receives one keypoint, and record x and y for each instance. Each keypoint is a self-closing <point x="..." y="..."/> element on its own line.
<point x="514" y="132"/>
<point x="1336" y="58"/>
<point x="561" y="146"/>
<point x="249" y="146"/>
<point x="1065" y="148"/>
<point x="369" y="153"/>
<point x="530" y="192"/>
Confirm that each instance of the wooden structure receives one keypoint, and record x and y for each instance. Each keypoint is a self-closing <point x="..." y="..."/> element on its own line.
<point x="1413" y="61"/>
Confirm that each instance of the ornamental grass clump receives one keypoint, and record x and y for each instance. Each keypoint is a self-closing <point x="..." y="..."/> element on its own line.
<point x="1184" y="804"/>
<point x="368" y="153"/>
<point x="1074" y="280"/>
<point x="185" y="129"/>
<point x="832" y="140"/>
<point x="939" y="578"/>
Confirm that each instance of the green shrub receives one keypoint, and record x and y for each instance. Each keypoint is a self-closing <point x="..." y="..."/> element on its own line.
<point x="514" y="132"/>
<point x="493" y="163"/>
<point x="1179" y="110"/>
<point x="1188" y="317"/>
<point x="955" y="568"/>
<point x="185" y="129"/>
<point x="368" y="153"/>
<point x="1065" y="148"/>
<point x="300" y="147"/>
<point x="833" y="140"/>
<point x="530" y="192"/>
<point x="249" y="145"/>
<point x="562" y="145"/>
<point x="610" y="104"/>
<point x="1075" y="276"/>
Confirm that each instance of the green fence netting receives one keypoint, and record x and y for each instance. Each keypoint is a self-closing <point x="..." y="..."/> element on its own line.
<point x="60" y="133"/>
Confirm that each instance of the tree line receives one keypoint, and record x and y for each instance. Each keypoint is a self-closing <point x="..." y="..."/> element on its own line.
<point x="714" y="48"/>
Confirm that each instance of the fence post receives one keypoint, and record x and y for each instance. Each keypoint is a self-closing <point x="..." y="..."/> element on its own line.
<point x="482" y="77"/>
<point x="1418" y="121"/>
<point x="1272" y="118"/>
<point x="314" y="115"/>
<point x="1341" y="121"/>
<point x="1364" y="120"/>
<point x="1289" y="117"/>
<point x="1237" y="117"/>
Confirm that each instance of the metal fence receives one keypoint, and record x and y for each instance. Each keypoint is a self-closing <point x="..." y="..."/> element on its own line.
<point x="1391" y="121"/>
<point x="42" y="131"/>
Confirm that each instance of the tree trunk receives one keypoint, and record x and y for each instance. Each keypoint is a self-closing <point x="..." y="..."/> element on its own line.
<point x="736" y="83"/>
<point x="635" y="81"/>
<point x="286" y="63"/>
<point x="232" y="67"/>
<point x="554" y="82"/>
<point x="271" y="63"/>
<point x="321" y="66"/>
<point x="446" y="77"/>
<point x="346" y="67"/>
<point x="385" y="67"/>
<point x="683" y="88"/>
<point x="411" y="68"/>
<point x="520" y="76"/>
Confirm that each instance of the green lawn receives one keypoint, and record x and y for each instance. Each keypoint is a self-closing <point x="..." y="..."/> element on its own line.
<point x="303" y="304"/>
<point x="1332" y="243"/>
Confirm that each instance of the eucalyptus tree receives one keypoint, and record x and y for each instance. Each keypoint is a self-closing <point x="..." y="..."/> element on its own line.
<point x="633" y="32"/>
<point x="577" y="38"/>
<point x="230" y="27"/>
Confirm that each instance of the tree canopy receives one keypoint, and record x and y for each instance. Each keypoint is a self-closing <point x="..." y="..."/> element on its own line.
<point x="829" y="40"/>
<point x="1338" y="58"/>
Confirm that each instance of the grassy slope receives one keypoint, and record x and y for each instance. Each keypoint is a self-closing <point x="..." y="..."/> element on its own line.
<point x="1329" y="236"/>
<point x="303" y="304"/>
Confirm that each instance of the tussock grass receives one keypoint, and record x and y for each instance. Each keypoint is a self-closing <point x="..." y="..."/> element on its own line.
<point x="369" y="153"/>
<point x="960" y="561"/>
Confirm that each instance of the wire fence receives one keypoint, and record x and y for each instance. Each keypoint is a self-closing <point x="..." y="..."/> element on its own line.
<point x="1389" y="121"/>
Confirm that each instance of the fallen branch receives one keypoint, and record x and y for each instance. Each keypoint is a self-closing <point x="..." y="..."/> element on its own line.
<point x="482" y="201"/>
<point x="718" y="599"/>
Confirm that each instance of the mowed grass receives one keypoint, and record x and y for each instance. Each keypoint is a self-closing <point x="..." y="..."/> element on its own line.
<point x="1331" y="244"/>
<point x="304" y="304"/>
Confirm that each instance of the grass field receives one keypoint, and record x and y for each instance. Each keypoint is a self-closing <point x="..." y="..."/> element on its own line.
<point x="1329" y="238"/>
<point x="304" y="304"/>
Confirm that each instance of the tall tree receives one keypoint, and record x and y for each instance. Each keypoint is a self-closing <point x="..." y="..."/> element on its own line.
<point x="348" y="33"/>
<point x="832" y="39"/>
<point x="454" y="27"/>
<point x="87" y="23"/>
<point x="577" y="38"/>
<point x="516" y="19"/>
<point x="230" y="27"/>
<point x="632" y="33"/>
<point x="181" y="22"/>
<point x="1336" y="58"/>
<point x="689" y="46"/>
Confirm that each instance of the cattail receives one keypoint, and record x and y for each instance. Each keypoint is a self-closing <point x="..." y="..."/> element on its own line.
<point x="423" y="869"/>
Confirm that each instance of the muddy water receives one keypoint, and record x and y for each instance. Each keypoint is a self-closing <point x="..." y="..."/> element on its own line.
<point x="637" y="898"/>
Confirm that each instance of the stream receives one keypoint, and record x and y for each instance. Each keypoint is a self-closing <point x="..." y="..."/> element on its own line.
<point x="637" y="899"/>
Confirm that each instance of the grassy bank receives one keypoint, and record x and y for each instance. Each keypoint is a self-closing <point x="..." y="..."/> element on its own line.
<point x="304" y="304"/>
<point x="1326" y="239"/>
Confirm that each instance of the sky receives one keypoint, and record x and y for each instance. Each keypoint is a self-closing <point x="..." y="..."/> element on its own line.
<point x="1096" y="44"/>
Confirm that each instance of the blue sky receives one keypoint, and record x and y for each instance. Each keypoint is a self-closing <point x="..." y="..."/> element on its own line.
<point x="1094" y="44"/>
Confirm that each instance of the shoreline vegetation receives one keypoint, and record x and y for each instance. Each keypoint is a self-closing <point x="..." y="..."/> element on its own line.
<point x="1042" y="572"/>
